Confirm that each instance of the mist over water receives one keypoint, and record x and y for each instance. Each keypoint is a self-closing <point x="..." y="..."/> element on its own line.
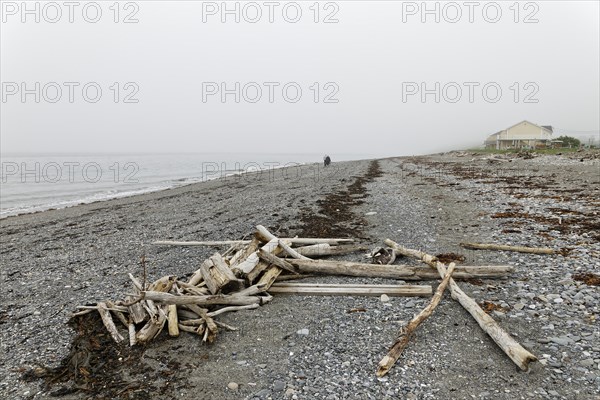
<point x="35" y="182"/>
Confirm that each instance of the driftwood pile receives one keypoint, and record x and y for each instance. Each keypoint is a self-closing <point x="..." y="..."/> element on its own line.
<point x="247" y="274"/>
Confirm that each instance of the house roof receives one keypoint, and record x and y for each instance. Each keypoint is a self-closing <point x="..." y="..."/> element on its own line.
<point x="547" y="128"/>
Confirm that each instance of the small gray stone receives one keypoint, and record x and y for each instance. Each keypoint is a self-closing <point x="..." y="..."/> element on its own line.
<point x="303" y="331"/>
<point x="278" y="386"/>
<point x="563" y="340"/>
<point x="587" y="362"/>
<point x="263" y="394"/>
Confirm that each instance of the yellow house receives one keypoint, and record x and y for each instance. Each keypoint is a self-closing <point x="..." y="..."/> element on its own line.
<point x="522" y="135"/>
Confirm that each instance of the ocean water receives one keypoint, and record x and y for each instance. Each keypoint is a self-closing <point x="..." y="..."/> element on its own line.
<point x="36" y="182"/>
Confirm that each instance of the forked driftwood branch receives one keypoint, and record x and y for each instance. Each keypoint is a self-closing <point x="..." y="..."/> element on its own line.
<point x="510" y="346"/>
<point x="408" y="331"/>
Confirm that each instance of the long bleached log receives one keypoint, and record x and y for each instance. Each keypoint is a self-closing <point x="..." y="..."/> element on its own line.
<point x="200" y="243"/>
<point x="502" y="247"/>
<point x="167" y="298"/>
<point x="285" y="278"/>
<point x="295" y="241"/>
<point x="325" y="249"/>
<point x="404" y="272"/>
<point x="510" y="346"/>
<point x="308" y="289"/>
<point x="408" y="331"/>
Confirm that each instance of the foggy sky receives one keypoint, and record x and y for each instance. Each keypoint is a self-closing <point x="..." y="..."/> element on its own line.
<point x="370" y="55"/>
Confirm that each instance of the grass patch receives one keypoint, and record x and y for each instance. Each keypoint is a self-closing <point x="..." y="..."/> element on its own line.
<point x="515" y="151"/>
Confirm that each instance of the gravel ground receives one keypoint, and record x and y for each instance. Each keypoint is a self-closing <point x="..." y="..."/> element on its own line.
<point x="302" y="347"/>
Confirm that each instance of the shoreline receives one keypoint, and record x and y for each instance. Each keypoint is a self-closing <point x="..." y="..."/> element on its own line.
<point x="228" y="177"/>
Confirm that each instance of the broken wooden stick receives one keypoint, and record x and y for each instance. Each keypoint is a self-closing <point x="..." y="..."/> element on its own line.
<point x="408" y="331"/>
<point x="502" y="247"/>
<point x="510" y="346"/>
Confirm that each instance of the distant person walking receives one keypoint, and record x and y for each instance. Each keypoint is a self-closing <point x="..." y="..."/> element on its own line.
<point x="326" y="160"/>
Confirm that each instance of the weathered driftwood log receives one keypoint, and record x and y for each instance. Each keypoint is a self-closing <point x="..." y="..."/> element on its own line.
<point x="131" y="329"/>
<point x="308" y="289"/>
<point x="244" y="253"/>
<point x="185" y="314"/>
<point x="232" y="308"/>
<point x="190" y="329"/>
<point x="192" y="289"/>
<point x="289" y="251"/>
<point x="168" y="298"/>
<point x="109" y="323"/>
<point x="201" y="243"/>
<point x="218" y="276"/>
<point x="258" y="269"/>
<point x="152" y="327"/>
<point x="210" y="323"/>
<point x="136" y="311"/>
<point x="408" y="331"/>
<point x="284" y="278"/>
<point x="269" y="277"/>
<point x="197" y="276"/>
<point x="404" y="272"/>
<point x="247" y="265"/>
<point x="251" y="290"/>
<point x="510" y="346"/>
<point x="136" y="283"/>
<point x="325" y="249"/>
<point x="118" y="311"/>
<point x="520" y="249"/>
<point x="173" y="320"/>
<point x="274" y="247"/>
<point x="163" y="284"/>
<point x="280" y="262"/>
